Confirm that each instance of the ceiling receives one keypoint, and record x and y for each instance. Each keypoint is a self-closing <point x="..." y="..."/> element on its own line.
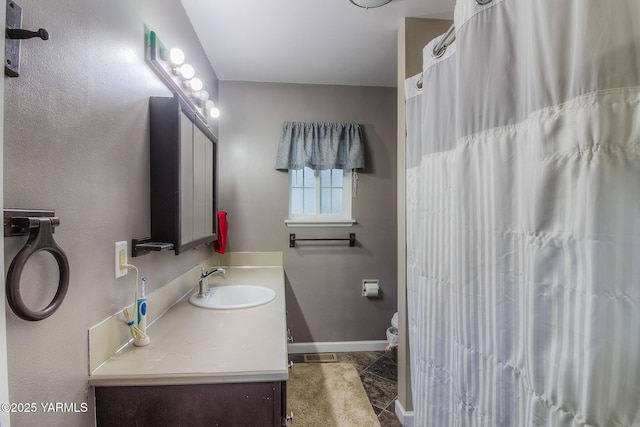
<point x="306" y="41"/>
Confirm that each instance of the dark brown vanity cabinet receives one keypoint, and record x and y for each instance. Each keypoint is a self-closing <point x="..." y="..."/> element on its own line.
<point x="195" y="405"/>
<point x="183" y="176"/>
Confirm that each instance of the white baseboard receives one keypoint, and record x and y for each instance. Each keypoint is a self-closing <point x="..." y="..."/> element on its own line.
<point x="337" y="347"/>
<point x="405" y="417"/>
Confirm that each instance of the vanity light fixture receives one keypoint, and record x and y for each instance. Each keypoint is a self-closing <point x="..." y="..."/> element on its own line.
<point x="369" y="4"/>
<point x="179" y="76"/>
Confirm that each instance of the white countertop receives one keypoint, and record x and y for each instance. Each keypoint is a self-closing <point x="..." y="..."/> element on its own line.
<point x="191" y="345"/>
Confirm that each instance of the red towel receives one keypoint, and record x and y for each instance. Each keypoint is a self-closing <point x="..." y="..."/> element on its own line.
<point x="220" y="245"/>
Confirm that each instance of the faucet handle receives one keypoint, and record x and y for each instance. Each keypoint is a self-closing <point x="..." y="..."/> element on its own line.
<point x="209" y="273"/>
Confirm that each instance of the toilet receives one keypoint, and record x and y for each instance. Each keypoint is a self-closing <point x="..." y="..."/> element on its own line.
<point x="392" y="333"/>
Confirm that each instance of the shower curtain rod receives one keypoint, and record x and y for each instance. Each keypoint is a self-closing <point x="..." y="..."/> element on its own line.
<point x="441" y="47"/>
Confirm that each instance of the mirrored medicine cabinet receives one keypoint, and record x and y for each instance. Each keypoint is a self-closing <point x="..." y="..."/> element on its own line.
<point x="183" y="179"/>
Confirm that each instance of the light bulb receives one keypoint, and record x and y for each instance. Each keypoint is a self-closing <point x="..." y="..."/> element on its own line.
<point x="187" y="71"/>
<point x="209" y="104"/>
<point x="196" y="84"/>
<point x="176" y="56"/>
<point x="214" y="113"/>
<point x="202" y="95"/>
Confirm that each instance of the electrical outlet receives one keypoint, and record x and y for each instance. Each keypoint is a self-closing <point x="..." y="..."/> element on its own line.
<point x="121" y="258"/>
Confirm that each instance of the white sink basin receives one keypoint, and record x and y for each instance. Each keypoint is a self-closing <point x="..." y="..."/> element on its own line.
<point x="234" y="296"/>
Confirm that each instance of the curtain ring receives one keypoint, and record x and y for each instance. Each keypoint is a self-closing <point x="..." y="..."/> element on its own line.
<point x="441" y="47"/>
<point x="40" y="239"/>
<point x="438" y="53"/>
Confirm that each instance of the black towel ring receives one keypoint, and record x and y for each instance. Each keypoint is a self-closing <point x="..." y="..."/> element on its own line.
<point x="40" y="239"/>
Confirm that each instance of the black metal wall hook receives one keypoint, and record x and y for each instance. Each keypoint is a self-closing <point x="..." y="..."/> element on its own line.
<point x="14" y="33"/>
<point x="40" y="226"/>
<point x="22" y="34"/>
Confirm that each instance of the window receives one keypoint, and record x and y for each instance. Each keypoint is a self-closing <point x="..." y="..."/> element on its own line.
<point x="320" y="197"/>
<point x="322" y="159"/>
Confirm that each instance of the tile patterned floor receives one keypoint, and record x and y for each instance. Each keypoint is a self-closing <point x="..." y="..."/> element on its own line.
<point x="379" y="372"/>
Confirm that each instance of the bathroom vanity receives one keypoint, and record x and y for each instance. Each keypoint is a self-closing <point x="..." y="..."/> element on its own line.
<point x="234" y="405"/>
<point x="203" y="367"/>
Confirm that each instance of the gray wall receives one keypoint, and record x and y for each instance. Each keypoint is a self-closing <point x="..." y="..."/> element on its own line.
<point x="76" y="140"/>
<point x="323" y="280"/>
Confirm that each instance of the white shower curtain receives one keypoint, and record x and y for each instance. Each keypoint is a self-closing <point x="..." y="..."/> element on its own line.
<point x="523" y="217"/>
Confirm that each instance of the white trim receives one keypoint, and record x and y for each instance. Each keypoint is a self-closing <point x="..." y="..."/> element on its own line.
<point x="405" y="417"/>
<point x="338" y="346"/>
<point x="319" y="223"/>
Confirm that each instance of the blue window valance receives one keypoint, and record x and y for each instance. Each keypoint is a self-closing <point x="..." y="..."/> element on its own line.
<point x="320" y="146"/>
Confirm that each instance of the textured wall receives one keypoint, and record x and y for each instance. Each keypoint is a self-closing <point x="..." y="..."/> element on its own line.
<point x="323" y="282"/>
<point x="76" y="140"/>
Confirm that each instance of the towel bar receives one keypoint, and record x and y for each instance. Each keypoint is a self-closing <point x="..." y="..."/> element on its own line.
<point x="292" y="240"/>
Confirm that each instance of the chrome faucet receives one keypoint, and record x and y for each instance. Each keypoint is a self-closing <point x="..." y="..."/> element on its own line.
<point x="203" y="285"/>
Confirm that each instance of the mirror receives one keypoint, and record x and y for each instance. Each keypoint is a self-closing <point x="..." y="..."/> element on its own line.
<point x="183" y="176"/>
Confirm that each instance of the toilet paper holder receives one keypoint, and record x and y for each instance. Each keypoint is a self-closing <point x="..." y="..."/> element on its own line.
<point x="371" y="288"/>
